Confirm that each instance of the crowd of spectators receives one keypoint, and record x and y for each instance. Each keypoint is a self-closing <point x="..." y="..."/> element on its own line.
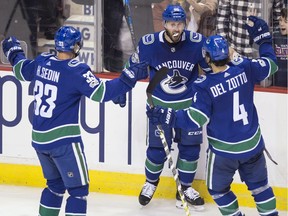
<point x="223" y="17"/>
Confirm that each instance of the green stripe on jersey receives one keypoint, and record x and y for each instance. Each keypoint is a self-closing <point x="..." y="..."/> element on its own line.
<point x="238" y="147"/>
<point x="273" y="66"/>
<point x="17" y="70"/>
<point x="98" y="94"/>
<point x="46" y="137"/>
<point x="197" y="116"/>
<point x="175" y="105"/>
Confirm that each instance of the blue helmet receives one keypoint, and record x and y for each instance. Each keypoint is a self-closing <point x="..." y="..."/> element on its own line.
<point x="66" y="38"/>
<point x="217" y="47"/>
<point x="174" y="13"/>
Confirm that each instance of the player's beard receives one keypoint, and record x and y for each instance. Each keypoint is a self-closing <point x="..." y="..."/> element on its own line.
<point x="174" y="36"/>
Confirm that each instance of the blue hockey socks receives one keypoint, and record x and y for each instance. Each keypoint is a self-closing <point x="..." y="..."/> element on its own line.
<point x="50" y="203"/>
<point x="76" y="206"/>
<point x="265" y="202"/>
<point x="227" y="203"/>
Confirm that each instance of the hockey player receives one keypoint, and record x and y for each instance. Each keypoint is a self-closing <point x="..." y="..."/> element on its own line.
<point x="169" y="48"/>
<point x="59" y="82"/>
<point x="224" y="100"/>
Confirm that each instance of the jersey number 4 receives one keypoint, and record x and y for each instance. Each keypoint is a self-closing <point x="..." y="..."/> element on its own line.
<point x="48" y="90"/>
<point x="239" y="112"/>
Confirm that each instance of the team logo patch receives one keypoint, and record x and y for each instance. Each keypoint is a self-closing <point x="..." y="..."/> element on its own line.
<point x="148" y="39"/>
<point x="174" y="84"/>
<point x="176" y="79"/>
<point x="195" y="37"/>
<point x="135" y="58"/>
<point x="200" y="79"/>
<point x="157" y="133"/>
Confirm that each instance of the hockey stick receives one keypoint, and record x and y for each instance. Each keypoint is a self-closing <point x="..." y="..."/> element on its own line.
<point x="129" y="21"/>
<point x="159" y="75"/>
<point x="10" y="17"/>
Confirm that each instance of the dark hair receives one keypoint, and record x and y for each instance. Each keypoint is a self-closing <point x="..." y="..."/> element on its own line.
<point x="284" y="13"/>
<point x="219" y="63"/>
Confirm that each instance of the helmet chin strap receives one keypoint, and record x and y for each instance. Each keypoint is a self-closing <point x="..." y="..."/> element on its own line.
<point x="76" y="50"/>
<point x="209" y="62"/>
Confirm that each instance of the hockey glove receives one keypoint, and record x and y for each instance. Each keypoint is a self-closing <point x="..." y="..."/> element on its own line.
<point x="11" y="47"/>
<point x="134" y="73"/>
<point x="258" y="30"/>
<point x="121" y="100"/>
<point x="159" y="116"/>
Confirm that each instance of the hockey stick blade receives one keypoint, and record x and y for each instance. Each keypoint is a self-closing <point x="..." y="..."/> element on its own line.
<point x="159" y="75"/>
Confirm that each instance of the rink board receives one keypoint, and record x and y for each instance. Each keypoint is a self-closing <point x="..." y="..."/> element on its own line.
<point x="114" y="140"/>
<point x="129" y="184"/>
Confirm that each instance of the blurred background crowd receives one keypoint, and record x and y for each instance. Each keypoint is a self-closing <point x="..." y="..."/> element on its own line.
<point x="35" y="22"/>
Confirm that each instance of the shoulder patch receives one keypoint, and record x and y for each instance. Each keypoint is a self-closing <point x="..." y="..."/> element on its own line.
<point x="45" y="54"/>
<point x="74" y="63"/>
<point x="200" y="79"/>
<point x="260" y="61"/>
<point x="148" y="39"/>
<point x="135" y="58"/>
<point x="195" y="37"/>
<point x="237" y="60"/>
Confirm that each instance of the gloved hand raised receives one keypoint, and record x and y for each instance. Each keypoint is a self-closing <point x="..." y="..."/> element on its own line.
<point x="134" y="73"/>
<point x="258" y="30"/>
<point x="11" y="46"/>
<point x="159" y="116"/>
<point x="121" y="100"/>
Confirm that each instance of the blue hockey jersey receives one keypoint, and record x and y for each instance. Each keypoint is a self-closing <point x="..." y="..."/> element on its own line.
<point x="58" y="88"/>
<point x="224" y="100"/>
<point x="182" y="59"/>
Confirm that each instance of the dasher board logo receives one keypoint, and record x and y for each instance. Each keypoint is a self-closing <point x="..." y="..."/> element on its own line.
<point x="3" y="58"/>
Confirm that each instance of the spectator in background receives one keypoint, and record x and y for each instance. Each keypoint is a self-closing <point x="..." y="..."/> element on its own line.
<point x="157" y="10"/>
<point x="200" y="15"/>
<point x="231" y="18"/>
<point x="118" y="44"/>
<point x="113" y="16"/>
<point x="42" y="17"/>
<point x="281" y="49"/>
<point x="206" y="9"/>
<point x="141" y="12"/>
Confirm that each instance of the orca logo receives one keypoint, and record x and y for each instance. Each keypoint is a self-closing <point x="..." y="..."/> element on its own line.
<point x="174" y="84"/>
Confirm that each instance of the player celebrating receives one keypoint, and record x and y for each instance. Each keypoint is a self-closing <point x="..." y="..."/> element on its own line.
<point x="169" y="48"/>
<point x="224" y="100"/>
<point x="60" y="81"/>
